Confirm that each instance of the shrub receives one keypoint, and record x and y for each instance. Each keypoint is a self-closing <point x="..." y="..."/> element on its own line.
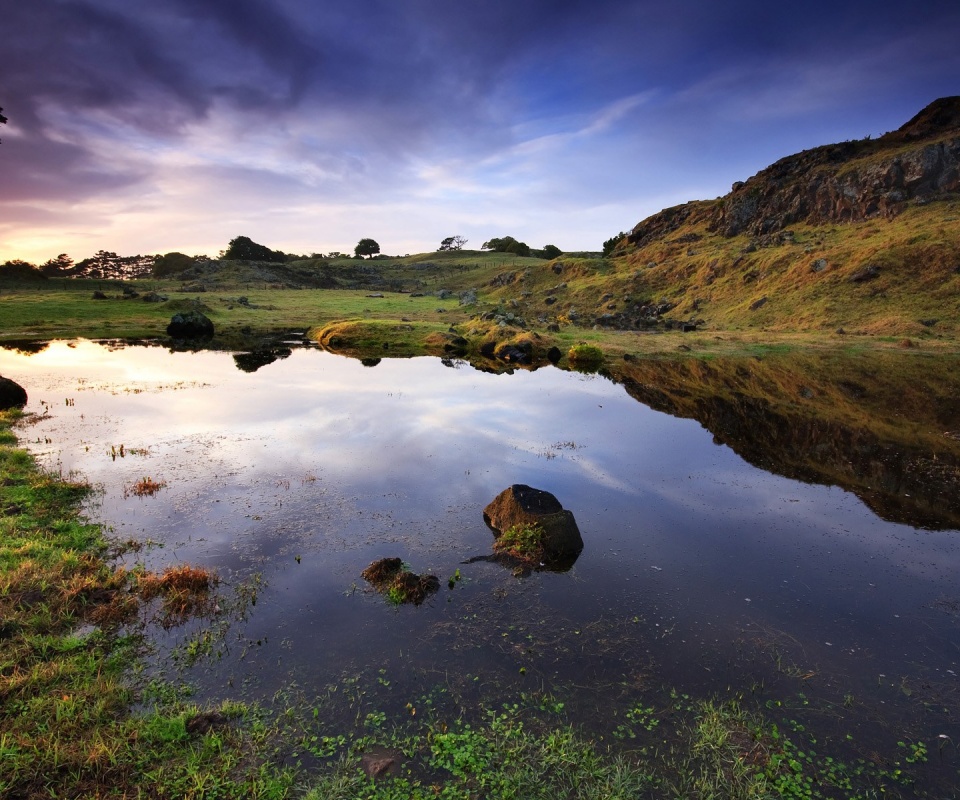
<point x="171" y="264"/>
<point x="586" y="355"/>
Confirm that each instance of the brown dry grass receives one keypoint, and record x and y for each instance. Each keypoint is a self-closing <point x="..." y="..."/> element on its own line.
<point x="145" y="487"/>
<point x="184" y="591"/>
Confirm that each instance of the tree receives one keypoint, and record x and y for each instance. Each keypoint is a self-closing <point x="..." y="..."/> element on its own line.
<point x="453" y="243"/>
<point x="551" y="251"/>
<point x="171" y="264"/>
<point x="243" y="248"/>
<point x="3" y="119"/>
<point x="507" y="245"/>
<point x="20" y="270"/>
<point x="61" y="265"/>
<point x="610" y="245"/>
<point x="366" y="247"/>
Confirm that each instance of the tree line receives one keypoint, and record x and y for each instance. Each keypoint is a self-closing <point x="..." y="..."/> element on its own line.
<point x="109" y="265"/>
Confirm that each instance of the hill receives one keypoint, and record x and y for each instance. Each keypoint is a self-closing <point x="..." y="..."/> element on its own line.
<point x="861" y="235"/>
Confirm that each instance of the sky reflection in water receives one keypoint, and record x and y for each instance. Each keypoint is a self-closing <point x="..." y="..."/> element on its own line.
<point x="687" y="547"/>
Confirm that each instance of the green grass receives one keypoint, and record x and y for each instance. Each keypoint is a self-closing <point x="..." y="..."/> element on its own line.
<point x="585" y="355"/>
<point x="46" y="313"/>
<point x="698" y="750"/>
<point x="524" y="542"/>
<point x="66" y="728"/>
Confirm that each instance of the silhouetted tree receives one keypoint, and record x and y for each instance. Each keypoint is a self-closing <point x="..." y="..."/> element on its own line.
<point x="3" y="119"/>
<point x="366" y="247"/>
<point x="245" y="249"/>
<point x="452" y="243"/>
<point x="20" y="270"/>
<point x="61" y="265"/>
<point x="171" y="264"/>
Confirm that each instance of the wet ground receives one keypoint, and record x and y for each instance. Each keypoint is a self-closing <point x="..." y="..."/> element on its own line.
<point x="701" y="573"/>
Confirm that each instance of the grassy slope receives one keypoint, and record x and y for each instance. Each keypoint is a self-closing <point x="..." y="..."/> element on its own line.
<point x="918" y="254"/>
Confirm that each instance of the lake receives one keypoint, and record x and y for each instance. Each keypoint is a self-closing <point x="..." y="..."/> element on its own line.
<point x="781" y="529"/>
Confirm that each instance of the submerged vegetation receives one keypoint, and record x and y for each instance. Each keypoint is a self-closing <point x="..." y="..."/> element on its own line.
<point x="527" y="748"/>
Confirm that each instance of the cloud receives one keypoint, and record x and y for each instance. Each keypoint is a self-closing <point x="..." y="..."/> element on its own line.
<point x="223" y="111"/>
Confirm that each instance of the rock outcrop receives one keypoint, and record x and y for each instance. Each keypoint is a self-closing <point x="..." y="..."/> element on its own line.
<point x="846" y="182"/>
<point x="398" y="584"/>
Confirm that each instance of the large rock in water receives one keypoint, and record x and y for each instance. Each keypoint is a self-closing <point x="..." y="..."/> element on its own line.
<point x="523" y="505"/>
<point x="190" y="325"/>
<point x="12" y="394"/>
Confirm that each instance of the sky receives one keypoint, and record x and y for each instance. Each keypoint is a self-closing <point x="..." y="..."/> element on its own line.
<point x="150" y="126"/>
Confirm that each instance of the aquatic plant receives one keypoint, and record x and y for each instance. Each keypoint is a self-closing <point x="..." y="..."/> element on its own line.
<point x="524" y="542"/>
<point x="394" y="580"/>
<point x="145" y="487"/>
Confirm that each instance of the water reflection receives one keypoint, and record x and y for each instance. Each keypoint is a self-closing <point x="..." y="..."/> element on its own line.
<point x="701" y="546"/>
<point x="885" y="427"/>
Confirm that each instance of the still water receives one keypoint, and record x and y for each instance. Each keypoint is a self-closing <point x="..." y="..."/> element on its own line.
<point x="700" y="572"/>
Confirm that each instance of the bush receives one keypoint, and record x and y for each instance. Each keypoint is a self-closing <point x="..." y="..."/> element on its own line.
<point x="586" y="355"/>
<point x="171" y="264"/>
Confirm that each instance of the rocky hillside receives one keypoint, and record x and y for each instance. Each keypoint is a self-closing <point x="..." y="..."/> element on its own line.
<point x="862" y="236"/>
<point x="846" y="182"/>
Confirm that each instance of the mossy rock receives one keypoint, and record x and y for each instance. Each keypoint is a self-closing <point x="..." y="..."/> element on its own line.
<point x="540" y="529"/>
<point x="398" y="584"/>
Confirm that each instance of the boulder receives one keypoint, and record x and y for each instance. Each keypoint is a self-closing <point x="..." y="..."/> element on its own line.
<point x="98" y="295"/>
<point x="190" y="325"/>
<point x="522" y="505"/>
<point x="12" y="394"/>
<point x="515" y="353"/>
<point x="867" y="273"/>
